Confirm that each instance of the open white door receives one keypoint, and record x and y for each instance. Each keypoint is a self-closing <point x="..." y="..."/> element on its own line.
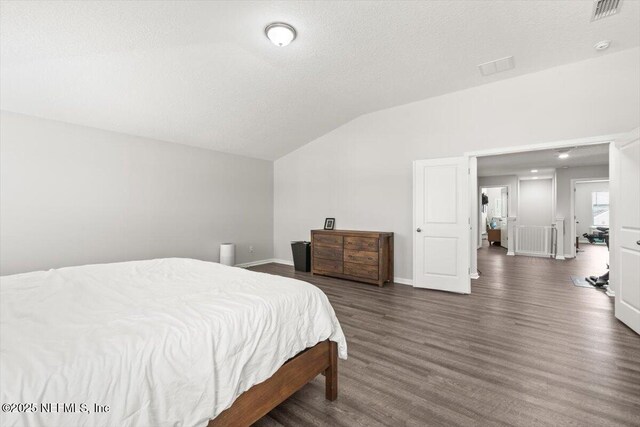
<point x="625" y="228"/>
<point x="504" y="214"/>
<point x="441" y="224"/>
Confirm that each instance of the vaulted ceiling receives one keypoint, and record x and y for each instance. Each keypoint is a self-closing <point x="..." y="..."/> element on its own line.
<point x="203" y="73"/>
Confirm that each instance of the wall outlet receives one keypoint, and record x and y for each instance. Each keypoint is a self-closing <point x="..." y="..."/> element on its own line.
<point x="250" y="249"/>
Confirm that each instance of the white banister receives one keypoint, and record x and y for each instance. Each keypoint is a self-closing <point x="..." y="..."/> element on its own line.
<point x="535" y="240"/>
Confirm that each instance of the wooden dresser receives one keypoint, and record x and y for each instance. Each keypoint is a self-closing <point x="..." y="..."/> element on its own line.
<point x="364" y="256"/>
<point x="493" y="235"/>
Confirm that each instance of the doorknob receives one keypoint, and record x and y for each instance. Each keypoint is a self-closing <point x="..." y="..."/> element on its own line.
<point x="637" y="243"/>
<point x="420" y="229"/>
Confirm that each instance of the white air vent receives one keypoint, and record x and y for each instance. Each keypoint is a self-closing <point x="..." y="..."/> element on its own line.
<point x="497" y="66"/>
<point x="604" y="8"/>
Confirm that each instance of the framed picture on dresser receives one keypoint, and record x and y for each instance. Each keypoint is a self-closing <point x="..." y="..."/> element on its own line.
<point x="329" y="223"/>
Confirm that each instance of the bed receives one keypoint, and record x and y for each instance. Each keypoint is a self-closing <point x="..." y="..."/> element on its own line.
<point x="166" y="342"/>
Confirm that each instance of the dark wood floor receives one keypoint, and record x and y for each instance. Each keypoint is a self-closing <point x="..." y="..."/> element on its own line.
<point x="525" y="348"/>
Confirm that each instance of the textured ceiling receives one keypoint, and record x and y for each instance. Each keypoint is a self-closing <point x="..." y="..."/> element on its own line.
<point x="545" y="161"/>
<point x="203" y="73"/>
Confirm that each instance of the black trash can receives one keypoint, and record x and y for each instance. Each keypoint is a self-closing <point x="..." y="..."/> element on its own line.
<point x="301" y="256"/>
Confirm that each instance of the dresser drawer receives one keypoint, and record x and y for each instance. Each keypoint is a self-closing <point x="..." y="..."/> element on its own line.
<point x="328" y="265"/>
<point x="361" y="243"/>
<point x="327" y="239"/>
<point x="361" y="257"/>
<point x="327" y="252"/>
<point x="361" y="270"/>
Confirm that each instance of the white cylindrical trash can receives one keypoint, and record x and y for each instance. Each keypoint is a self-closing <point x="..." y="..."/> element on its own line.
<point x="228" y="254"/>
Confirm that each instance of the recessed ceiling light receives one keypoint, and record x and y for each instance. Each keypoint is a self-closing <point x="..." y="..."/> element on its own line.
<point x="602" y="45"/>
<point x="534" y="170"/>
<point x="280" y="34"/>
<point x="563" y="155"/>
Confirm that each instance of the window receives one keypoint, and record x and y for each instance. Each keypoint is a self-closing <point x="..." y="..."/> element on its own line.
<point x="600" y="208"/>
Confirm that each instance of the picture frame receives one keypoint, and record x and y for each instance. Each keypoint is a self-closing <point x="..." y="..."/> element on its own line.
<point x="329" y="223"/>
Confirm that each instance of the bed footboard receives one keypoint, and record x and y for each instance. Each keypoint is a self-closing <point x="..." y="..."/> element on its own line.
<point x="256" y="402"/>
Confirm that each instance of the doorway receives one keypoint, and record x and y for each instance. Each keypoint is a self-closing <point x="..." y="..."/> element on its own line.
<point x="493" y="215"/>
<point x="460" y="172"/>
<point x="590" y="212"/>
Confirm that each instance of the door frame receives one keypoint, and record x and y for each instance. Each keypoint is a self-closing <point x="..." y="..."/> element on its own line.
<point x="572" y="209"/>
<point x="567" y="143"/>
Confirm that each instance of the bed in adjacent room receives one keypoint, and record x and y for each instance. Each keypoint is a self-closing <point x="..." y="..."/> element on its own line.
<point x="162" y="342"/>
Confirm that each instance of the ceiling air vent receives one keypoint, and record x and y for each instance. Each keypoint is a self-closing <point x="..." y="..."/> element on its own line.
<point x="604" y="8"/>
<point x="497" y="66"/>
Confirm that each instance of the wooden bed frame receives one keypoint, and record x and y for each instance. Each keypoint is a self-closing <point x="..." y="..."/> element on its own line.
<point x="256" y="402"/>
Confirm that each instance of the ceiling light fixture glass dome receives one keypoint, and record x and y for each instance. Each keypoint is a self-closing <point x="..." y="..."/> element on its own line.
<point x="280" y="34"/>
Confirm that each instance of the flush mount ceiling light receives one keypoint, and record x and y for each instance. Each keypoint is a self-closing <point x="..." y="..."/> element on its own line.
<point x="534" y="170"/>
<point x="602" y="45"/>
<point x="280" y="34"/>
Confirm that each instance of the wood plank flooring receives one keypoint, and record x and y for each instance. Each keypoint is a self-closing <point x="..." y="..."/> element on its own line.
<point x="525" y="348"/>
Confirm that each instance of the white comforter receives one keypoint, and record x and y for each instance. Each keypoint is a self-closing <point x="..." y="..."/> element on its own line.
<point x="167" y="342"/>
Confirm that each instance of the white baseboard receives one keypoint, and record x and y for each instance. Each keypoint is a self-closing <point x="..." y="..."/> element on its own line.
<point x="264" y="261"/>
<point x="609" y="292"/>
<point x="560" y="257"/>
<point x="474" y="275"/>
<point x="403" y="281"/>
<point x="511" y="254"/>
<point x="253" y="263"/>
<point x="533" y="254"/>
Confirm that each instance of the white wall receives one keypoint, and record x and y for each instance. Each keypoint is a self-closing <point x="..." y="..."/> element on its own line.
<point x="564" y="189"/>
<point x="536" y="202"/>
<point x="583" y="205"/>
<point x="73" y="195"/>
<point x="361" y="173"/>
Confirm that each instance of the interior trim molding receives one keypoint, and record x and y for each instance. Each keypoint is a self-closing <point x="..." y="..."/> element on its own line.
<point x="263" y="261"/>
<point x="403" y="281"/>
<point x="548" y="145"/>
<point x="281" y="261"/>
